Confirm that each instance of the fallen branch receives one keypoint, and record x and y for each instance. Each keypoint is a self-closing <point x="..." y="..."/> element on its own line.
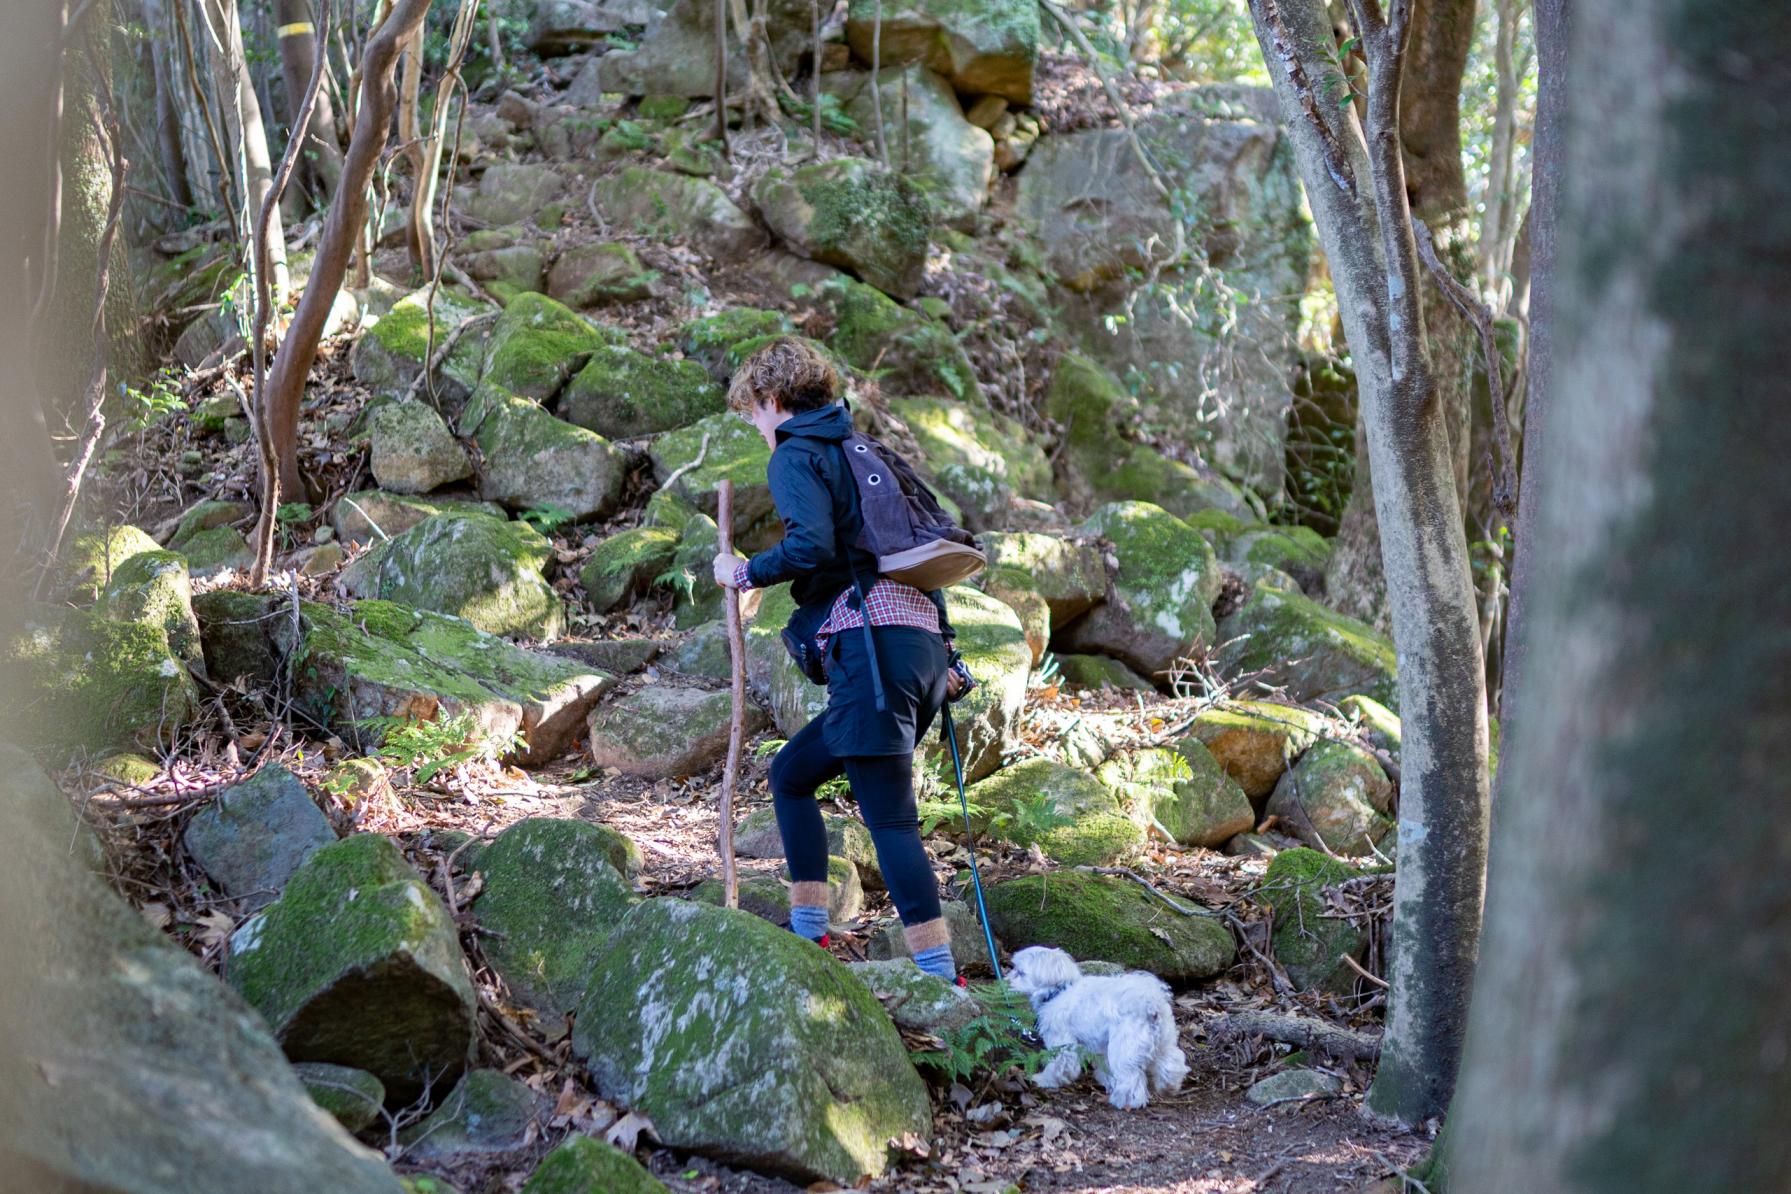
<point x="1134" y="876"/>
<point x="702" y="451"/>
<point x="440" y="358"/>
<point x="1301" y="1031"/>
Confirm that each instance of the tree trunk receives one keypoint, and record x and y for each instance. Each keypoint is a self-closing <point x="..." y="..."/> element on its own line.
<point x="419" y="236"/>
<point x="298" y="54"/>
<point x="1436" y="186"/>
<point x="1499" y="225"/>
<point x="170" y="147"/>
<point x="1631" y="1029"/>
<point x="1443" y="790"/>
<point x="245" y="135"/>
<point x="348" y="215"/>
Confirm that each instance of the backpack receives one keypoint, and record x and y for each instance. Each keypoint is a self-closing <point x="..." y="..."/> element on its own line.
<point x="914" y="539"/>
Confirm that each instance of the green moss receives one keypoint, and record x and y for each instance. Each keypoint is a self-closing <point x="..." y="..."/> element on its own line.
<point x="217" y="549"/>
<point x="128" y="768"/>
<point x="889" y="205"/>
<point x="1380" y="723"/>
<point x="736" y="452"/>
<point x="1015" y="589"/>
<point x="1307" y="943"/>
<point x="352" y="1097"/>
<point x="909" y="352"/>
<point x="625" y="563"/>
<point x="1094" y="917"/>
<point x="667" y="509"/>
<point x="538" y="344"/>
<point x="720" y="342"/>
<point x="485" y="570"/>
<point x="87" y="563"/>
<point x="622" y="394"/>
<point x="957" y="433"/>
<point x="81" y="680"/>
<point x="584" y="1165"/>
<point x="153" y="588"/>
<point x="1317" y="653"/>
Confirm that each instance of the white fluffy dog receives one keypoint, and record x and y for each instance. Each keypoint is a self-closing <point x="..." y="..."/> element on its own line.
<point x="1124" y="1020"/>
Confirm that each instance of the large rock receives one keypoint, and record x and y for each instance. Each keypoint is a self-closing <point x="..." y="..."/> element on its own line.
<point x="950" y="157"/>
<point x="721" y="342"/>
<point x="910" y="352"/>
<point x="659" y="203"/>
<point x="592" y="275"/>
<point x="969" y="946"/>
<point x="977" y="457"/>
<point x="571" y="26"/>
<point x="1100" y="671"/>
<point x="757" y="836"/>
<point x="915" y="1000"/>
<point x="511" y="192"/>
<point x="253" y="835"/>
<point x="1285" y="639"/>
<point x="676" y="1025"/>
<point x="1096" y="918"/>
<point x="677" y="56"/>
<point x="772" y="674"/>
<point x="219" y="550"/>
<point x="126" y="1066"/>
<point x="993" y="644"/>
<point x="1309" y="944"/>
<point x="367" y="515"/>
<point x="554" y="891"/>
<point x="85" y="566"/>
<point x="1068" y="573"/>
<point x="584" y="1165"/>
<point x="359" y="964"/>
<point x="1336" y="798"/>
<point x="391" y="353"/>
<point x="854" y="214"/>
<point x="487" y="1112"/>
<point x="1070" y="815"/>
<point x="1183" y="791"/>
<point x="485" y="570"/>
<point x="1300" y="552"/>
<point x="660" y="731"/>
<point x="622" y="394"/>
<point x="538" y="344"/>
<point x="985" y="47"/>
<point x="1254" y="741"/>
<point x="154" y="588"/>
<point x="1111" y="235"/>
<point x="1014" y="589"/>
<point x="531" y="460"/>
<point x="624" y="565"/>
<point x="1159" y="609"/>
<point x="354" y="1098"/>
<point x="77" y="680"/>
<point x="730" y="449"/>
<point x="412" y="449"/>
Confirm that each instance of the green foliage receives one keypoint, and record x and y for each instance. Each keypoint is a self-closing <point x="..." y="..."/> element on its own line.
<point x="144" y="408"/>
<point x="428" y="747"/>
<point x="935" y="812"/>
<point x="833" y="114"/>
<point x="988" y="1046"/>
<point x="1030" y="819"/>
<point x="547" y="517"/>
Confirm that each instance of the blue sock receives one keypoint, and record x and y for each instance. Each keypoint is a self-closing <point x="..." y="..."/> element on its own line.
<point x="937" y="962"/>
<point x="809" y="921"/>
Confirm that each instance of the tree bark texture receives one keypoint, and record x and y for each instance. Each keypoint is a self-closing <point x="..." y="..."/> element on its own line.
<point x="348" y="214"/>
<point x="294" y="21"/>
<point x="1631" y="1029"/>
<point x="1355" y="186"/>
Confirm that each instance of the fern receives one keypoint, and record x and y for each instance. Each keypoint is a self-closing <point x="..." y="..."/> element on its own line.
<point x="1030" y="819"/>
<point x="935" y="812"/>
<point x="999" y="1038"/>
<point x="426" y="748"/>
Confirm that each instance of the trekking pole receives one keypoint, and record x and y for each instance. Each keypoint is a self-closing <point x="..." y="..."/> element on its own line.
<point x="976" y="875"/>
<point x="724" y="521"/>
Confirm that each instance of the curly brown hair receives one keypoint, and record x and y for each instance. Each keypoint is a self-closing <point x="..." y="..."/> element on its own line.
<point x="793" y="373"/>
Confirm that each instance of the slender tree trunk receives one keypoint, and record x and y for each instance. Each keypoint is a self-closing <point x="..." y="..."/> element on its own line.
<point x="169" y="145"/>
<point x="348" y="215"/>
<point x="298" y="54"/>
<point x="1631" y="1029"/>
<point x="244" y="131"/>
<point x="419" y="231"/>
<point x="1498" y="226"/>
<point x="1356" y="184"/>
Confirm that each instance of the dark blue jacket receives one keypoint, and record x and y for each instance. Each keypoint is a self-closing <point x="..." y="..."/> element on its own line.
<point x="817" y="501"/>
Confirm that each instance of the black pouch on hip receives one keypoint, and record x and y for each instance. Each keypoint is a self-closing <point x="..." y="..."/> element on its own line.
<point x="802" y="650"/>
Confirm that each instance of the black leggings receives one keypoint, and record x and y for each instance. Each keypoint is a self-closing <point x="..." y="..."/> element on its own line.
<point x="884" y="788"/>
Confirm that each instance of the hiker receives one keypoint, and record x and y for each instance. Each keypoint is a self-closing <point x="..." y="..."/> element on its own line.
<point x="790" y="392"/>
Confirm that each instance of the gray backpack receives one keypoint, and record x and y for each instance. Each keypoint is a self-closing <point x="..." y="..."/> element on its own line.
<point x="914" y="539"/>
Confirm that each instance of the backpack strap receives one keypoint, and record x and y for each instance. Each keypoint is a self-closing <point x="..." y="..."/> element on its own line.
<point x="864" y="605"/>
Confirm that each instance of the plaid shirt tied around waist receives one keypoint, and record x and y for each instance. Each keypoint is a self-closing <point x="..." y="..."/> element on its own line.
<point x="889" y="603"/>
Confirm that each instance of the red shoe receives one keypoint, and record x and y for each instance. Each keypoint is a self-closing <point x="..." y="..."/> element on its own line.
<point x="960" y="981"/>
<point x="823" y="941"/>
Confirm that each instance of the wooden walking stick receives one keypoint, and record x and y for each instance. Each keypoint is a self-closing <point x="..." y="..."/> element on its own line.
<point x="724" y="521"/>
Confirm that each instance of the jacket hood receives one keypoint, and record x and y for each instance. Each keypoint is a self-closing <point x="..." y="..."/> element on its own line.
<point x="832" y="423"/>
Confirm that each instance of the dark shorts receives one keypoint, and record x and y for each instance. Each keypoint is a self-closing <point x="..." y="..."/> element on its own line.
<point x="913" y="664"/>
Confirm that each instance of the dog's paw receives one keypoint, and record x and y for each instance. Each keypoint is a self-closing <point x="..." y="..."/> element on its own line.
<point x="1128" y="1095"/>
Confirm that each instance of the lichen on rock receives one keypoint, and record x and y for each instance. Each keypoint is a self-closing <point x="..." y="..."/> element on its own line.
<point x="1159" y="610"/>
<point x="1113" y="920"/>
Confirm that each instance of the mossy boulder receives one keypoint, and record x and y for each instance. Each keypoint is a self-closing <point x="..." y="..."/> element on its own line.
<point x="86" y="565"/>
<point x="485" y="570"/>
<point x="359" y="964"/>
<point x="736" y="452"/>
<point x="915" y="1000"/>
<point x="221" y="549"/>
<point x="969" y="947"/>
<point x="1309" y="944"/>
<point x="1286" y="639"/>
<point x="696" y="599"/>
<point x="488" y="1111"/>
<point x="1380" y="724"/>
<point x="392" y="352"/>
<point x="1159" y="605"/>
<point x="203" y="516"/>
<point x="704" y="655"/>
<point x="585" y="1165"/>
<point x="236" y="635"/>
<point x="1068" y="573"/>
<point x="765" y="896"/>
<point x="756" y="836"/>
<point x="660" y="203"/>
<point x="538" y="344"/>
<point x="596" y="274"/>
<point x="128" y="767"/>
<point x="946" y="155"/>
<point x="511" y="192"/>
<point x="507" y="272"/>
<point x="412" y="449"/>
<point x="82" y="681"/>
<point x="253" y="835"/>
<point x="622" y="394"/>
<point x="1255" y="741"/>
<point x="1015" y="589"/>
<point x="979" y="458"/>
<point x="356" y="515"/>
<point x="985" y="47"/>
<point x="676" y="1025"/>
<point x="352" y="1097"/>
<point x="852" y="213"/>
<point x="660" y="731"/>
<point x="531" y="460"/>
<point x="1069" y="814"/>
<point x="1300" y="552"/>
<point x="1335" y="798"/>
<point x="1182" y="791"/>
<point x="907" y="351"/>
<point x="1094" y="917"/>
<point x="993" y="644"/>
<point x="624" y="565"/>
<point x="154" y="588"/>
<point x="554" y="891"/>
<point x="718" y="342"/>
<point x="1100" y="671"/>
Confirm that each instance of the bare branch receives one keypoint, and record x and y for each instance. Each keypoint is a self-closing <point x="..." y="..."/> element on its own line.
<point x="1303" y="1031"/>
